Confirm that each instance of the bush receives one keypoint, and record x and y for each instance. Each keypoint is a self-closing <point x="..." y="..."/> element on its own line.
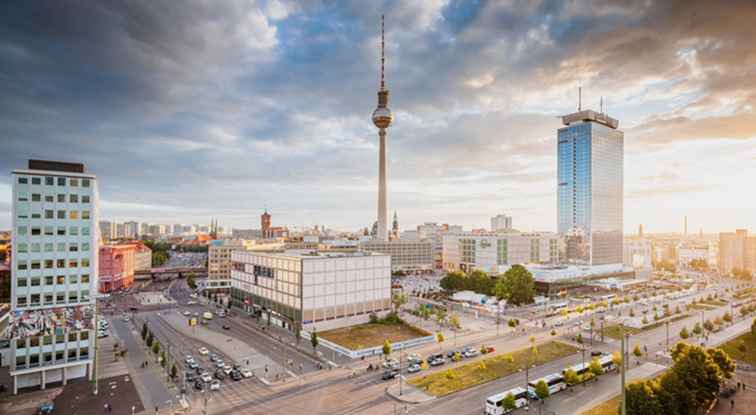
<point x="373" y="318"/>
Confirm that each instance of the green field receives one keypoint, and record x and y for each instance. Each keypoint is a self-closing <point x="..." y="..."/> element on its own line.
<point x="609" y="407"/>
<point x="747" y="354"/>
<point x="444" y="382"/>
<point x="715" y="303"/>
<point x="614" y="330"/>
<point x="371" y="334"/>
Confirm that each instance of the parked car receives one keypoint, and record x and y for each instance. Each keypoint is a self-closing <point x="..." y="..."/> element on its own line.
<point x="187" y="313"/>
<point x="189" y="358"/>
<point x="236" y="375"/>
<point x="213" y="357"/>
<point x="413" y="368"/>
<point x="205" y="377"/>
<point x="596" y="353"/>
<point x="46" y="408"/>
<point x="226" y="327"/>
<point x="219" y="374"/>
<point x="219" y="364"/>
<point x="436" y="359"/>
<point x="193" y="365"/>
<point x="199" y="385"/>
<point x="190" y="376"/>
<point x="246" y="373"/>
<point x="414" y="358"/>
<point x="390" y="374"/>
<point x="227" y="370"/>
<point x="215" y="385"/>
<point x="470" y="352"/>
<point x="203" y="350"/>
<point x="390" y="364"/>
<point x="451" y="353"/>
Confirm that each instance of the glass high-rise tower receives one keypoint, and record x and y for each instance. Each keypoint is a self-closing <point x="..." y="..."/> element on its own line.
<point x="590" y="187"/>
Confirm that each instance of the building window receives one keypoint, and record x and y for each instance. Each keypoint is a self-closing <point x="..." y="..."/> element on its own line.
<point x="73" y="297"/>
<point x="22" y="230"/>
<point x="61" y="181"/>
<point x="85" y="230"/>
<point x="21" y="282"/>
<point x="48" y="358"/>
<point x="49" y="264"/>
<point x="36" y="180"/>
<point x="73" y="198"/>
<point x="72" y="263"/>
<point x="73" y="231"/>
<point x="85" y="261"/>
<point x="35" y="282"/>
<point x="84" y="296"/>
<point x="48" y="299"/>
<point x="36" y="197"/>
<point x="85" y="214"/>
<point x="61" y="198"/>
<point x="73" y="214"/>
<point x="23" y="248"/>
<point x="49" y="247"/>
<point x="49" y="181"/>
<point x="36" y="216"/>
<point x="35" y="301"/>
<point x="23" y="180"/>
<point x="85" y="182"/>
<point x="61" y="230"/>
<point x="61" y="279"/>
<point x="61" y="247"/>
<point x="85" y="247"/>
<point x="36" y="247"/>
<point x="23" y="197"/>
<point x="73" y="279"/>
<point x="60" y="263"/>
<point x="85" y="199"/>
<point x="60" y="298"/>
<point x="49" y="198"/>
<point x="49" y="231"/>
<point x="21" y="301"/>
<point x="22" y="265"/>
<point x="20" y="362"/>
<point x="85" y="278"/>
<point x="73" y="182"/>
<point x="72" y="352"/>
<point x="84" y="335"/>
<point x="61" y="214"/>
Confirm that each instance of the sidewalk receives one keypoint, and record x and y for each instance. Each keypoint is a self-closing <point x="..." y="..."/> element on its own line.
<point x="605" y="389"/>
<point x="408" y="393"/>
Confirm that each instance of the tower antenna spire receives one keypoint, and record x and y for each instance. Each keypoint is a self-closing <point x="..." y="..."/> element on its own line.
<point x="383" y="58"/>
<point x="580" y="98"/>
<point x="602" y="105"/>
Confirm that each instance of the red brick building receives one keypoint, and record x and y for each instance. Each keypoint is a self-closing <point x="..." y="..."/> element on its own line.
<point x="116" y="267"/>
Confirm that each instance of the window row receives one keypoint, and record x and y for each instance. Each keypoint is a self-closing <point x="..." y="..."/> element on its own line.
<point x="52" y="230"/>
<point x="51" y="181"/>
<point x="47" y="358"/>
<point x="35" y="300"/>
<point x="23" y="247"/>
<point x="61" y="198"/>
<point x="23" y="265"/>
<point x="37" y="341"/>
<point x="50" y="280"/>
<point x="52" y="214"/>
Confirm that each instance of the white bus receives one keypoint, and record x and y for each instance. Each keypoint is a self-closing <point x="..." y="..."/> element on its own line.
<point x="555" y="382"/>
<point x="607" y="362"/>
<point x="495" y="403"/>
<point x="608" y="297"/>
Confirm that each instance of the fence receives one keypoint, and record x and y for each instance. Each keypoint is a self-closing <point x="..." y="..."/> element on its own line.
<point x="371" y="351"/>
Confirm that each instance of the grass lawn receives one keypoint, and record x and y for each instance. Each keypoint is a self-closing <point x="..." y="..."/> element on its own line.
<point x="371" y="335"/>
<point x="610" y="407"/>
<point x="715" y="303"/>
<point x="451" y="380"/>
<point x="614" y="330"/>
<point x="747" y="356"/>
<point x="700" y="306"/>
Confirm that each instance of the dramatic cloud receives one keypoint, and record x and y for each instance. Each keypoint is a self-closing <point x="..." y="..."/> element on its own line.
<point x="197" y="109"/>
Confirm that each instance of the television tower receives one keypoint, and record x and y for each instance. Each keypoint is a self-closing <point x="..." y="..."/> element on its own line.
<point x="382" y="118"/>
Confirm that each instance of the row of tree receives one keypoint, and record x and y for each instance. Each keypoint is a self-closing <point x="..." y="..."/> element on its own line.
<point x="690" y="384"/>
<point x="517" y="285"/>
<point x="742" y="274"/>
<point x="154" y="345"/>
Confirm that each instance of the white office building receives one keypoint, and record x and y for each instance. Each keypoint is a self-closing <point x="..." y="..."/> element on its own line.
<point x="496" y="252"/>
<point x="406" y="255"/>
<point x="637" y="253"/>
<point x="54" y="274"/>
<point x="301" y="288"/>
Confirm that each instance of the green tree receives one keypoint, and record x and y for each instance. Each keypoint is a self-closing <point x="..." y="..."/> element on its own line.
<point x="697" y="329"/>
<point x="617" y="359"/>
<point x="150" y="339"/>
<point x="144" y="331"/>
<point x="512" y="322"/>
<point x="454" y="321"/>
<point x="637" y="351"/>
<point x="542" y="390"/>
<point x="163" y="359"/>
<point x="641" y="399"/>
<point x="453" y="281"/>
<point x="595" y="367"/>
<point x="386" y="348"/>
<point x="480" y="282"/>
<point x="517" y="286"/>
<point x="439" y="338"/>
<point x="570" y="377"/>
<point x="398" y="300"/>
<point x="697" y="371"/>
<point x="190" y="281"/>
<point x="156" y="347"/>
<point x="579" y="338"/>
<point x="440" y="315"/>
<point x="174" y="371"/>
<point x="724" y="362"/>
<point x="684" y="333"/>
<point x="509" y="403"/>
<point x="727" y="317"/>
<point x="708" y="325"/>
<point x="314" y="340"/>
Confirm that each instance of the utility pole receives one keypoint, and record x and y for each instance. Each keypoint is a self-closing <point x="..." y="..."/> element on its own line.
<point x="667" y="335"/>
<point x="96" y="349"/>
<point x="401" y="355"/>
<point x="623" y="407"/>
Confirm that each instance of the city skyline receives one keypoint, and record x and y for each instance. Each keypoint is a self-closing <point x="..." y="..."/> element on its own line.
<point x="274" y="114"/>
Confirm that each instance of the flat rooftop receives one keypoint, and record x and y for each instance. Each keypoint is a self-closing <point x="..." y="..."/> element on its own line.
<point x="590" y="115"/>
<point x="314" y="254"/>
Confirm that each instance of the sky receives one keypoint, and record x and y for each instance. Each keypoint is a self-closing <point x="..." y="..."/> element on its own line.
<point x="197" y="109"/>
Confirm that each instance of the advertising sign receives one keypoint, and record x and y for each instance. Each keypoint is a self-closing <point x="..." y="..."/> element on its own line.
<point x="48" y="322"/>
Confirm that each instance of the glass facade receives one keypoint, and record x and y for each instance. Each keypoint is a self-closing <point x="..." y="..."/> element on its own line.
<point x="590" y="192"/>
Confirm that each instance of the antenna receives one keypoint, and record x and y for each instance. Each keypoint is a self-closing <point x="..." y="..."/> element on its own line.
<point x="580" y="99"/>
<point x="382" y="56"/>
<point x="602" y="105"/>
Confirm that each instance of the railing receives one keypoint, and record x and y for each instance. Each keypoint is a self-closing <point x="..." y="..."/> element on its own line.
<point x="371" y="351"/>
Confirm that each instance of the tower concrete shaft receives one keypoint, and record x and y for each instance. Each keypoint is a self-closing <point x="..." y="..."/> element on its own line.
<point x="382" y="233"/>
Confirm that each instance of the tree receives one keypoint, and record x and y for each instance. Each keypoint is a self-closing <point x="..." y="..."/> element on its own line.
<point x="753" y="328"/>
<point x="595" y="367"/>
<point x="579" y="338"/>
<point x="632" y="313"/>
<point x="617" y="359"/>
<point x="163" y="359"/>
<point x="398" y="300"/>
<point x="727" y="317"/>
<point x="509" y="403"/>
<point x="190" y="281"/>
<point x="513" y="322"/>
<point x="156" y="347"/>
<point x="439" y="339"/>
<point x="174" y="371"/>
<point x="641" y="399"/>
<point x="708" y="325"/>
<point x="697" y="329"/>
<point x="677" y="309"/>
<point x="517" y="286"/>
<point x="386" y="348"/>
<point x="144" y="331"/>
<point x="699" y="373"/>
<point x="724" y="362"/>
<point x="684" y="333"/>
<point x="314" y="340"/>
<point x="454" y="321"/>
<point x="440" y="315"/>
<point x="480" y="282"/>
<point x="570" y="377"/>
<point x="150" y="339"/>
<point x="453" y="281"/>
<point x="542" y="390"/>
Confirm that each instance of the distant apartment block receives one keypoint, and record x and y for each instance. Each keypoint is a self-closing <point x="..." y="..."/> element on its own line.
<point x="142" y="257"/>
<point x="501" y="223"/>
<point x="736" y="250"/>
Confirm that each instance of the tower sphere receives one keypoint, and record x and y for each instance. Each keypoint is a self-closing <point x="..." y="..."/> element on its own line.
<point x="382" y="117"/>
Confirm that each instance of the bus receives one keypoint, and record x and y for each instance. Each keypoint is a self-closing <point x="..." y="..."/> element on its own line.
<point x="554" y="381"/>
<point x="608" y="297"/>
<point x="495" y="403"/>
<point x="607" y="363"/>
<point x="580" y="368"/>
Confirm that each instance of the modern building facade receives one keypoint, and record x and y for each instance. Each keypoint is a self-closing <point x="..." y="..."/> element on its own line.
<point x="638" y="254"/>
<point x="107" y="231"/>
<point x="736" y="250"/>
<point x="117" y="264"/>
<point x="54" y="273"/>
<point x="496" y="252"/>
<point x="406" y="255"/>
<point x="305" y="289"/>
<point x="501" y="223"/>
<point x="590" y="188"/>
<point x="142" y="257"/>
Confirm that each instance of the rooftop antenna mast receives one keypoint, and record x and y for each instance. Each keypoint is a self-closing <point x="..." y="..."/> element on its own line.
<point x="602" y="105"/>
<point x="580" y="98"/>
<point x="383" y="85"/>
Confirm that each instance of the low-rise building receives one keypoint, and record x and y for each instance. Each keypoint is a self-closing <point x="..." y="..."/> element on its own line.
<point x="219" y="258"/>
<point x="116" y="267"/>
<point x="305" y="289"/>
<point x="406" y="255"/>
<point x="496" y="252"/>
<point x="637" y="253"/>
<point x="142" y="257"/>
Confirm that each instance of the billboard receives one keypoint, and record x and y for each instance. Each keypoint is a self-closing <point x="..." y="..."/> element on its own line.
<point x="48" y="322"/>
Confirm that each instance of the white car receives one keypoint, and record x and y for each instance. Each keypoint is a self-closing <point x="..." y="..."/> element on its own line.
<point x="187" y="313"/>
<point x="191" y="302"/>
<point x="102" y="333"/>
<point x="188" y="359"/>
<point x="246" y="373"/>
<point x="203" y="351"/>
<point x="227" y="370"/>
<point x="215" y="385"/>
<point x="219" y="364"/>
<point x="205" y="377"/>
